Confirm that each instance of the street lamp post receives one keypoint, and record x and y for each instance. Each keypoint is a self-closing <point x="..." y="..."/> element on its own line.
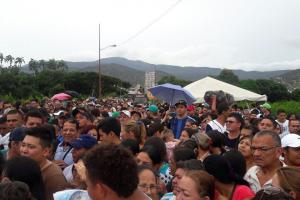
<point x="99" y="63"/>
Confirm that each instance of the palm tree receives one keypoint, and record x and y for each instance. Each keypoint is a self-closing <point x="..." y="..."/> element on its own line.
<point x="9" y="59"/>
<point x="61" y="65"/>
<point x="42" y="64"/>
<point x="1" y="59"/>
<point x="19" y="61"/>
<point x="33" y="65"/>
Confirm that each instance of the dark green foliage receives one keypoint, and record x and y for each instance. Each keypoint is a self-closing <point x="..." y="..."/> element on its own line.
<point x="173" y="80"/>
<point x="49" y="80"/>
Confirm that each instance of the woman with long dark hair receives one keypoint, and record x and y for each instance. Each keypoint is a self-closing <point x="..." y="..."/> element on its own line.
<point x="26" y="170"/>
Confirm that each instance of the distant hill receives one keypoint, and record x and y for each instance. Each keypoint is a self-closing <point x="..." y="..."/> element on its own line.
<point x="190" y="73"/>
<point x="291" y="79"/>
<point x="133" y="71"/>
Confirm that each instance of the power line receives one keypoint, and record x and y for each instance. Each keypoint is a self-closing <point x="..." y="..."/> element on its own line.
<point x="152" y="22"/>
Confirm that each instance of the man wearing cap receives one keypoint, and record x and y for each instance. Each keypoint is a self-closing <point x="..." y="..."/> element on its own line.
<point x="15" y="140"/>
<point x="153" y="114"/>
<point x="83" y="117"/>
<point x="177" y="123"/>
<point x="266" y="110"/>
<point x="80" y="146"/>
<point x="192" y="112"/>
<point x="291" y="149"/>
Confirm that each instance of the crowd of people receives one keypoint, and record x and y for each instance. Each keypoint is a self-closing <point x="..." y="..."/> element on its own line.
<point x="115" y="149"/>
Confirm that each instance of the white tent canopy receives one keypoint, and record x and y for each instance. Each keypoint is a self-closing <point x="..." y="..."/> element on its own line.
<point x="198" y="89"/>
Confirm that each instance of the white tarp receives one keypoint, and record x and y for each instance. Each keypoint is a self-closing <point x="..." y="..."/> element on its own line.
<point x="198" y="89"/>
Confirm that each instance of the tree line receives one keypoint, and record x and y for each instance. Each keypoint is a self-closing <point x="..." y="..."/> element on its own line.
<point x="52" y="76"/>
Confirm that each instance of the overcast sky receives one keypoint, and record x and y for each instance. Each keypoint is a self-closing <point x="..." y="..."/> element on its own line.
<point x="236" y="34"/>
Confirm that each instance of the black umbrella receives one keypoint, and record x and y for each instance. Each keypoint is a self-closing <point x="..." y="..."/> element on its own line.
<point x="72" y="93"/>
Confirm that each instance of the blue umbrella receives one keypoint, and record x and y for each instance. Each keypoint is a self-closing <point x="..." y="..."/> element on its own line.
<point x="172" y="93"/>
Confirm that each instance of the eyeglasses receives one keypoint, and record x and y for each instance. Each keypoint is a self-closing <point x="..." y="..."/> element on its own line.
<point x="262" y="149"/>
<point x="146" y="187"/>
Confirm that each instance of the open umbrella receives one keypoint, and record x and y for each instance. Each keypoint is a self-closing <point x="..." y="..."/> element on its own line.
<point x="61" y="97"/>
<point x="72" y="93"/>
<point x="172" y="93"/>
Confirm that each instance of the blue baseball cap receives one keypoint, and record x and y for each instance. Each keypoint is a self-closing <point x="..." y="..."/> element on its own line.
<point x="84" y="141"/>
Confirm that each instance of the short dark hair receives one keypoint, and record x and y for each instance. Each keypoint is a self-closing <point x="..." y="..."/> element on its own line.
<point x="190" y="131"/>
<point x="280" y="110"/>
<point x="110" y="124"/>
<point x="132" y="145"/>
<point x="192" y="164"/>
<point x="113" y="166"/>
<point x="72" y="121"/>
<point x="158" y="144"/>
<point x="238" y="117"/>
<point x="43" y="133"/>
<point x="222" y="107"/>
<point x="2" y="120"/>
<point x="153" y="154"/>
<point x="34" y="113"/>
<point x="15" y="191"/>
<point x="15" y="111"/>
<point x="154" y="127"/>
<point x="275" y="137"/>
<point x="183" y="154"/>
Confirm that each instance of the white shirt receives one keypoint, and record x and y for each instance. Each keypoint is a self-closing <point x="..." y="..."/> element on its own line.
<point x="251" y="177"/>
<point x="68" y="173"/>
<point x="284" y="126"/>
<point x="4" y="140"/>
<point x="215" y="125"/>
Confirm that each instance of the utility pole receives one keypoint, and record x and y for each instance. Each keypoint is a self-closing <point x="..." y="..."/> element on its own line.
<point x="99" y="67"/>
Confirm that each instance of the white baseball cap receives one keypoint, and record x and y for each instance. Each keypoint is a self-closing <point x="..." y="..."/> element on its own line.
<point x="291" y="140"/>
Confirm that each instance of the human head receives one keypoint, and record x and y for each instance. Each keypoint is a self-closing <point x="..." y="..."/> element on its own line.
<point x="181" y="107"/>
<point x="132" y="145"/>
<point x="267" y="124"/>
<point x="182" y="168"/>
<point x="294" y="126"/>
<point x="234" y="122"/>
<point x="246" y="131"/>
<point x="187" y="133"/>
<point x="83" y="117"/>
<point x="180" y="154"/>
<point x="223" y="109"/>
<point x="15" y="140"/>
<point x="291" y="149"/>
<point x="3" y="127"/>
<point x="196" y="185"/>
<point x="15" y="191"/>
<point x="70" y="130"/>
<point x="26" y="170"/>
<point x="219" y="167"/>
<point x="14" y="118"/>
<point x="148" y="182"/>
<point x="266" y="148"/>
<point x="36" y="144"/>
<point x="281" y="115"/>
<point x="109" y="129"/>
<point x="155" y="129"/>
<point x="149" y="155"/>
<point x="236" y="161"/>
<point x="105" y="177"/>
<point x="288" y="179"/>
<point x="81" y="145"/>
<point x="217" y="142"/>
<point x="271" y="193"/>
<point x="33" y="119"/>
<point x="130" y="130"/>
<point x="244" y="146"/>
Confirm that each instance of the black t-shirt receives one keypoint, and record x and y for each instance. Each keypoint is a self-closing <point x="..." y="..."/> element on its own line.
<point x="231" y="143"/>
